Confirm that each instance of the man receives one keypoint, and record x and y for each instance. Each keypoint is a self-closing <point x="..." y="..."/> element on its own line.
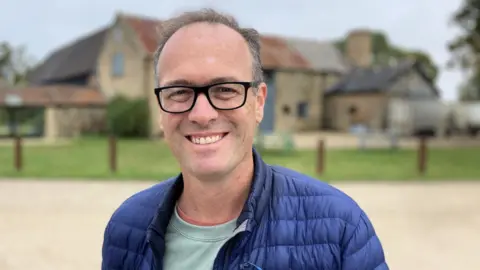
<point x="228" y="209"/>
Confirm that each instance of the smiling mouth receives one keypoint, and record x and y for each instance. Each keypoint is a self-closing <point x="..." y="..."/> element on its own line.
<point x="203" y="140"/>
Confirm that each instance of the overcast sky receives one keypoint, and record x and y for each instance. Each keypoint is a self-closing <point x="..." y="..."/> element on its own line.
<point x="417" y="24"/>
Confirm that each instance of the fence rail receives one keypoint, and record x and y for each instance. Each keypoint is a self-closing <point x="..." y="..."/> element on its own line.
<point x="111" y="155"/>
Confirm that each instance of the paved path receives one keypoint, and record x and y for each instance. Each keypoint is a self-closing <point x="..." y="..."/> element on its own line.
<point x="59" y="225"/>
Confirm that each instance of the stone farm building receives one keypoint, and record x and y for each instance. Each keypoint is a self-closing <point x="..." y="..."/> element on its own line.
<point x="312" y="85"/>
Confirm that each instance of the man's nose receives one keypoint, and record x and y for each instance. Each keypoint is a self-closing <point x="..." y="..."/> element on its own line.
<point x="203" y="112"/>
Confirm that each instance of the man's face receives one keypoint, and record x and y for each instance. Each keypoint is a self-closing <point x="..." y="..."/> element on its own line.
<point x="200" y="54"/>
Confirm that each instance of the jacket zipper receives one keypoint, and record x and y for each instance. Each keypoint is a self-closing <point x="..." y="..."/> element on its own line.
<point x="227" y="256"/>
<point x="155" y="252"/>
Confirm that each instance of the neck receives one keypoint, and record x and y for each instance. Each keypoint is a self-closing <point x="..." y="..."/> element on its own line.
<point x="217" y="201"/>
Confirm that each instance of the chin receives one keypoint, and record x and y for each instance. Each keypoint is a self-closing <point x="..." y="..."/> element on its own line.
<point x="209" y="168"/>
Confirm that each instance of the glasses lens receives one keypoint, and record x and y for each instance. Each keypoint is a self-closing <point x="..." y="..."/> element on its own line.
<point x="176" y="99"/>
<point x="227" y="96"/>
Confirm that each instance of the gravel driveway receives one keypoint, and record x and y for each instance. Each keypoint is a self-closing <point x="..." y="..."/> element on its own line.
<point x="59" y="225"/>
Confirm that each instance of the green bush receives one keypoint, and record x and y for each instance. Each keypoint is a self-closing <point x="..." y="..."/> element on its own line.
<point x="129" y="118"/>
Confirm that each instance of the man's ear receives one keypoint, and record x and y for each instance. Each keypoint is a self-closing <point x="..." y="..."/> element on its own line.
<point x="260" y="101"/>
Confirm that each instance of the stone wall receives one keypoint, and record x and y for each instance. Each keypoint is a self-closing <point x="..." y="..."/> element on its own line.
<point x="61" y="122"/>
<point x="138" y="78"/>
<point x="295" y="87"/>
<point x="369" y="109"/>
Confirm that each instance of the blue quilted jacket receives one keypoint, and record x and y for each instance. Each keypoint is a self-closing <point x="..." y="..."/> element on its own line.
<point x="290" y="221"/>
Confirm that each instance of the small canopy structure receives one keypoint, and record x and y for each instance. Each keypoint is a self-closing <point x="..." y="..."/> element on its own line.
<point x="49" y="99"/>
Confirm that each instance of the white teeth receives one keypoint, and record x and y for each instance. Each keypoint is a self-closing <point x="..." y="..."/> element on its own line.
<point x="205" y="140"/>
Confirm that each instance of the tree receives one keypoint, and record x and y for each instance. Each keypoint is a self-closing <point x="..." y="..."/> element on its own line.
<point x="384" y="52"/>
<point x="465" y="48"/>
<point x="427" y="63"/>
<point x="14" y="63"/>
<point x="381" y="49"/>
<point x="468" y="90"/>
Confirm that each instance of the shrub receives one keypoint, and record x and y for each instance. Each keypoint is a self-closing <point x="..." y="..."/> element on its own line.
<point x="129" y="118"/>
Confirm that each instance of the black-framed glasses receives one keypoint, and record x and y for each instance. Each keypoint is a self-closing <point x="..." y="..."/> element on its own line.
<point x="221" y="96"/>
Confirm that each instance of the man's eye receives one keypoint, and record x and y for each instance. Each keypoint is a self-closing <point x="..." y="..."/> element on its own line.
<point x="178" y="93"/>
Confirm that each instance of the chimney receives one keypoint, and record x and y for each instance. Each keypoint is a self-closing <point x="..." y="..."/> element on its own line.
<point x="358" y="48"/>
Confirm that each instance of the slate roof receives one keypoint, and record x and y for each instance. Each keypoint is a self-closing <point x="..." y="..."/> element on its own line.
<point x="359" y="80"/>
<point x="45" y="95"/>
<point x="77" y="58"/>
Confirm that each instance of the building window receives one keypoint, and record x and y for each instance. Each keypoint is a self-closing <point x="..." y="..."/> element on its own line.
<point x="118" y="64"/>
<point x="302" y="109"/>
<point x="352" y="110"/>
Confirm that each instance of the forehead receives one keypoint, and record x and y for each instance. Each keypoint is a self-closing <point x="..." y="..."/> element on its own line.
<point x="202" y="52"/>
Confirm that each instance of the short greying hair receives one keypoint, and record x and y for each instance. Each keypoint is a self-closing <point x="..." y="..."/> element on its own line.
<point x="251" y="36"/>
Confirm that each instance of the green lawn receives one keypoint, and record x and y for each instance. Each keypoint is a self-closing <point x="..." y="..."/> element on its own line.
<point x="88" y="158"/>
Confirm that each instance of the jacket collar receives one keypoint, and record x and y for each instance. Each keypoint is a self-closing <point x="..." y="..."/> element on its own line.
<point x="253" y="209"/>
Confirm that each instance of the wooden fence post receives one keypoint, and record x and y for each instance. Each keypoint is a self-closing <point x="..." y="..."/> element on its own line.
<point x="18" y="153"/>
<point x="422" y="155"/>
<point x="112" y="153"/>
<point x="320" y="157"/>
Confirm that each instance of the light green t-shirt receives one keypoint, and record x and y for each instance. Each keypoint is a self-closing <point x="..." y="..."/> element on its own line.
<point x="191" y="247"/>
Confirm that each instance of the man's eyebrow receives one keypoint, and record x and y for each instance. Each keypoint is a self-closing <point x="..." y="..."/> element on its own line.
<point x="223" y="79"/>
<point x="179" y="82"/>
<point x="184" y="82"/>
